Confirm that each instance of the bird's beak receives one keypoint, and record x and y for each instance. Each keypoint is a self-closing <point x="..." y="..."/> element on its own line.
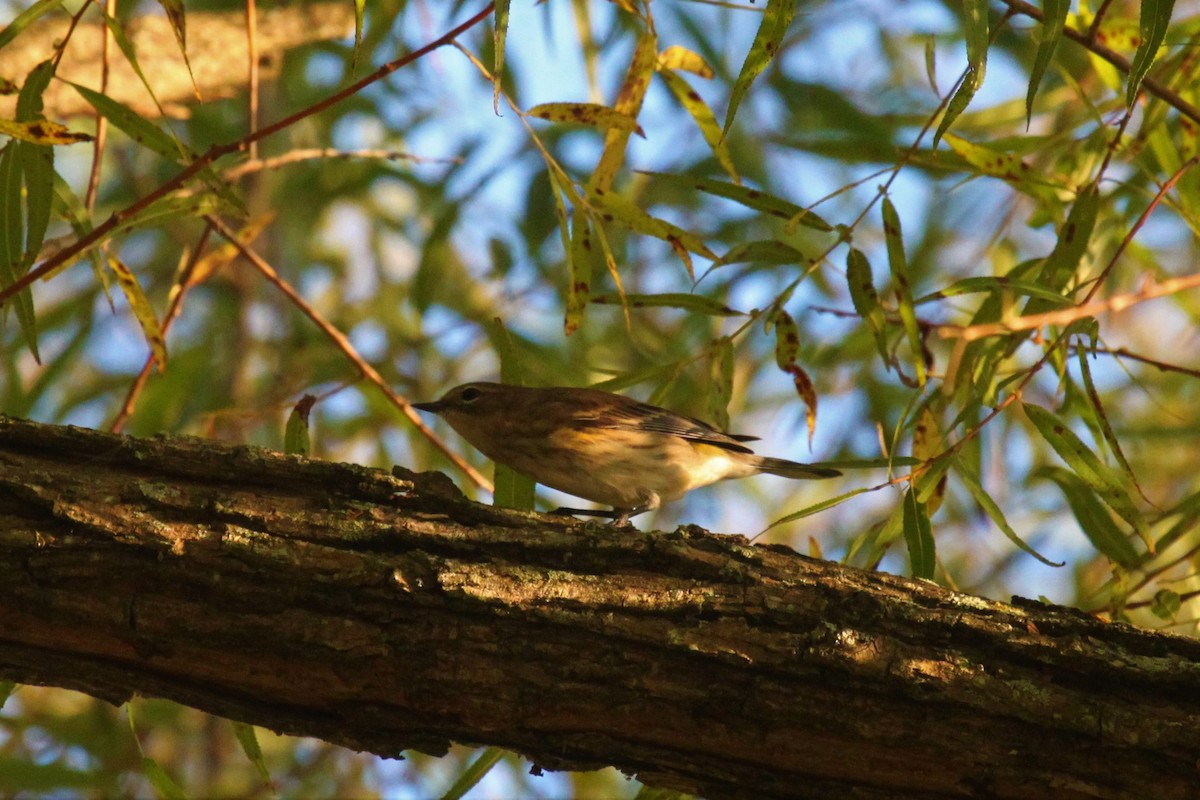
<point x="434" y="407"/>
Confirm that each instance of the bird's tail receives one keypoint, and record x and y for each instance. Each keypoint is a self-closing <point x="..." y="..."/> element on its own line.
<point x="790" y="469"/>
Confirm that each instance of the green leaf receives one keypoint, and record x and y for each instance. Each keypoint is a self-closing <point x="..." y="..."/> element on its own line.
<point x="751" y="198"/>
<point x="511" y="489"/>
<point x="998" y="285"/>
<point x="776" y="18"/>
<point x="1053" y="22"/>
<point x="815" y="508"/>
<point x="1152" y="31"/>
<point x="1166" y="604"/>
<point x="1072" y="243"/>
<point x="295" y="433"/>
<point x="703" y="116"/>
<point x="628" y="213"/>
<point x="1095" y="522"/>
<point x="177" y="16"/>
<point x="164" y="786"/>
<point x="135" y="126"/>
<point x="579" y="269"/>
<point x="899" y="266"/>
<point x="498" y="36"/>
<point x="720" y="381"/>
<point x="248" y="739"/>
<point x="866" y="300"/>
<point x="918" y="535"/>
<point x="6" y="690"/>
<point x="170" y="208"/>
<point x="1097" y="475"/>
<point x="474" y="773"/>
<point x="688" y="302"/>
<point x="976" y="31"/>
<point x="763" y="251"/>
<point x="25" y="19"/>
<point x="12" y="237"/>
<point x="985" y="501"/>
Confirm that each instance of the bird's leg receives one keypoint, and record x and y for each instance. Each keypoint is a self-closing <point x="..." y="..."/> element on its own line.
<point x="586" y="512"/>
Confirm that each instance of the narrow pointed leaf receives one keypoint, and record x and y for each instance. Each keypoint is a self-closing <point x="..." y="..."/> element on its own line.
<point x="499" y="35"/>
<point x="1153" y="22"/>
<point x="927" y="445"/>
<point x="1053" y="22"/>
<point x="976" y="32"/>
<point x="703" y="116"/>
<point x="136" y="127"/>
<point x="629" y="102"/>
<point x="998" y="285"/>
<point x="511" y="489"/>
<point x="25" y="19"/>
<point x="818" y="507"/>
<point x="1094" y="520"/>
<point x="592" y="115"/>
<point x="177" y="16"/>
<point x="893" y="236"/>
<point x="776" y="18"/>
<point x="720" y="381"/>
<point x="474" y="773"/>
<point x="296" y="439"/>
<point x="992" y="509"/>
<point x="579" y="270"/>
<point x="866" y="300"/>
<point x="628" y="213"/>
<point x="12" y="238"/>
<point x="139" y="304"/>
<point x="1084" y="463"/>
<point x="248" y="739"/>
<point x="688" y="302"/>
<point x="751" y="198"/>
<point x="766" y="251"/>
<point x="918" y="535"/>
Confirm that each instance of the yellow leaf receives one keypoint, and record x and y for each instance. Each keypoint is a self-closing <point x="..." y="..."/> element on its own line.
<point x="41" y="131"/>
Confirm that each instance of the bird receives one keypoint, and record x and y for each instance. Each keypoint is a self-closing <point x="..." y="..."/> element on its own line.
<point x="603" y="447"/>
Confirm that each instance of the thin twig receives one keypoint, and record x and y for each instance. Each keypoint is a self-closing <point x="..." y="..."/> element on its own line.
<point x="343" y="344"/>
<point x="104" y="229"/>
<point x="308" y="154"/>
<point x="252" y="71"/>
<point x="93" y="186"/>
<point x="182" y="285"/>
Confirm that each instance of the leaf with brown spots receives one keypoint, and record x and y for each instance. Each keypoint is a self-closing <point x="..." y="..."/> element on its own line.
<point x="776" y="18"/>
<point x="593" y="115"/>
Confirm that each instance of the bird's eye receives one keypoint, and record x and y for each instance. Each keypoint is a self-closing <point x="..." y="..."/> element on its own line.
<point x="470" y="394"/>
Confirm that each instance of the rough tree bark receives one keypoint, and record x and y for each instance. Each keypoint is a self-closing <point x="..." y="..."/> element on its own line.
<point x="384" y="612"/>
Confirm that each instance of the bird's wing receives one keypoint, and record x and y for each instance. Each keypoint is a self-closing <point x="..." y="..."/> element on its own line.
<point x="645" y="417"/>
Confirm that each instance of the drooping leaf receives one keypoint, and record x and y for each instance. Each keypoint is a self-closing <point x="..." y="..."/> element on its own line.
<point x="579" y="270"/>
<point x="1153" y="22"/>
<point x="751" y="198"/>
<point x="621" y="209"/>
<point x="26" y="18"/>
<point x="776" y="18"/>
<point x="177" y="16"/>
<point x="971" y="480"/>
<point x="1053" y="21"/>
<point x="474" y="773"/>
<point x="787" y="353"/>
<point x="975" y="29"/>
<point x="248" y="739"/>
<point x="139" y="304"/>
<point x="927" y="444"/>
<point x="511" y="489"/>
<point x="720" y="381"/>
<point x="135" y="126"/>
<point x="899" y="265"/>
<point x="918" y="535"/>
<point x="866" y="300"/>
<point x="1087" y="465"/>
<point x="1095" y="522"/>
<point x="629" y="102"/>
<point x="499" y="35"/>
<point x="703" y="116"/>
<point x="12" y="239"/>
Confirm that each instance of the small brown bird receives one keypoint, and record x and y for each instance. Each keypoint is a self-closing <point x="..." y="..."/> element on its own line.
<point x="603" y="447"/>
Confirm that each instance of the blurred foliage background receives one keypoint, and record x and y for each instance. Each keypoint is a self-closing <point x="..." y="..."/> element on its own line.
<point x="814" y="260"/>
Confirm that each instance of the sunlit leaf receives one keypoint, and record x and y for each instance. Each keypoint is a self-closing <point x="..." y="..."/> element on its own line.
<point x="1053" y="21"/>
<point x="40" y="131"/>
<point x="703" y="116"/>
<point x="27" y="17"/>
<point x="775" y="21"/>
<point x="592" y="115"/>
<point x="579" y="270"/>
<point x="620" y="209"/>
<point x="629" y="102"/>
<point x="474" y="773"/>
<point x="499" y="34"/>
<point x="976" y="31"/>
<point x="1153" y="22"/>
<point x="142" y="310"/>
<point x="135" y="126"/>
<point x="248" y="739"/>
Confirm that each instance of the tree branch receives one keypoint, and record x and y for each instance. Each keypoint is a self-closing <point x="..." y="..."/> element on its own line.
<point x="386" y="612"/>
